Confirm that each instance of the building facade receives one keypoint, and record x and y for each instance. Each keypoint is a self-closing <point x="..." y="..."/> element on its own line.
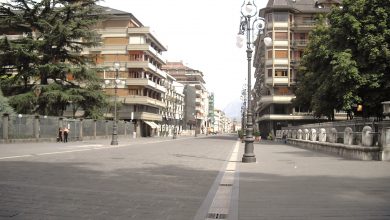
<point x="126" y="41"/>
<point x="288" y="23"/>
<point x="192" y="78"/>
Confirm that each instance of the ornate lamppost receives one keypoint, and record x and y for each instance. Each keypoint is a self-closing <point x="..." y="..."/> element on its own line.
<point x="114" y="139"/>
<point x="248" y="27"/>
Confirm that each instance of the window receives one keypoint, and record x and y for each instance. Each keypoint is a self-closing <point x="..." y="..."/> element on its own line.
<point x="280" y="73"/>
<point x="269" y="18"/>
<point x="280" y="17"/>
<point x="269" y="72"/>
<point x="281" y="36"/>
<point x="281" y="54"/>
<point x="269" y="54"/>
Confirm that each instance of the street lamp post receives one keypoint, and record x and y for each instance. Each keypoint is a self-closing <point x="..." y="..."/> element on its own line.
<point x="174" y="118"/>
<point x="248" y="11"/>
<point x="196" y="122"/>
<point x="114" y="139"/>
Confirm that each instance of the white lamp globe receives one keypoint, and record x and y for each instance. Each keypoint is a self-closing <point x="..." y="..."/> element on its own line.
<point x="268" y="41"/>
<point x="116" y="65"/>
<point x="249" y="8"/>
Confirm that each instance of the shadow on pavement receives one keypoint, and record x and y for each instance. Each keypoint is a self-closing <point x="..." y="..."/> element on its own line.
<point x="41" y="190"/>
<point x="269" y="196"/>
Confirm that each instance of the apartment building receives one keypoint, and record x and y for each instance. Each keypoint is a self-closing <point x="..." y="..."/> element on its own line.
<point x="172" y="113"/>
<point x="142" y="88"/>
<point x="193" y="78"/>
<point x="288" y="23"/>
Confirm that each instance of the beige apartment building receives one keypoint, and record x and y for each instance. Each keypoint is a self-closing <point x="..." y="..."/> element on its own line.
<point x="288" y="23"/>
<point x="142" y="86"/>
<point x="193" y="78"/>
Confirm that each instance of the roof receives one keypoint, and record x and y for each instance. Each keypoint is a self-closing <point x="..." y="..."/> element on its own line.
<point x="303" y="6"/>
<point x="115" y="12"/>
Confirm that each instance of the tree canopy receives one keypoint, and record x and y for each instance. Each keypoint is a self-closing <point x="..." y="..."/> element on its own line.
<point x="43" y="69"/>
<point x="347" y="60"/>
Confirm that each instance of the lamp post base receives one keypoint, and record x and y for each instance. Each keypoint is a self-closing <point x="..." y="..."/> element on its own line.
<point x="114" y="140"/>
<point x="248" y="159"/>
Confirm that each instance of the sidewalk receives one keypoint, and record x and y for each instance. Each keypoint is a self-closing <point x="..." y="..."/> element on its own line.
<point x="293" y="183"/>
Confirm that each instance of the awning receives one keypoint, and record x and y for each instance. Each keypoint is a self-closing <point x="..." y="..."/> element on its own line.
<point x="151" y="124"/>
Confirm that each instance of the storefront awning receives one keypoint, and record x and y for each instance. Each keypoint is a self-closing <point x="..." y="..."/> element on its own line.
<point x="151" y="124"/>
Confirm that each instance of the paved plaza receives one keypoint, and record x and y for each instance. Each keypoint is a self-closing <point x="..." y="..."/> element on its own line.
<point x="186" y="178"/>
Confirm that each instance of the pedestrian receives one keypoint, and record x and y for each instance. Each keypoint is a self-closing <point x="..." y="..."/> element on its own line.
<point x="285" y="138"/>
<point x="60" y="133"/>
<point x="66" y="132"/>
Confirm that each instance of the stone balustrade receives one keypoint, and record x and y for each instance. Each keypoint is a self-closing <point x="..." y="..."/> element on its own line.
<point x="346" y="141"/>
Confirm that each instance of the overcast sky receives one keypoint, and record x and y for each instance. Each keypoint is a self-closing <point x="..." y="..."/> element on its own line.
<point x="201" y="33"/>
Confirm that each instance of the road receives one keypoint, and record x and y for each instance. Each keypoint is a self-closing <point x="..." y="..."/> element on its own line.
<point x="186" y="178"/>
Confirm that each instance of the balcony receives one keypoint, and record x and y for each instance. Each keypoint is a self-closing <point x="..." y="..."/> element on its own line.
<point x="277" y="99"/>
<point x="147" y="48"/>
<point x="138" y="30"/>
<point x="303" y="25"/>
<point x="277" y="80"/>
<point x="112" y="32"/>
<point x="145" y="82"/>
<point x="284" y="117"/>
<point x="147" y="66"/>
<point x="142" y="100"/>
<point x="269" y="62"/>
<point x="109" y="49"/>
<point x="299" y="43"/>
<point x="280" y="43"/>
<point x="147" y="116"/>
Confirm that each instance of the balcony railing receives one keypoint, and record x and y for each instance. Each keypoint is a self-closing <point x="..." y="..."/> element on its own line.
<point x="145" y="82"/>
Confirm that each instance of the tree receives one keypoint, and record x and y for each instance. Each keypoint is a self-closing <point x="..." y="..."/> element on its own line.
<point x="4" y="105"/>
<point x="347" y="62"/>
<point x="44" y="70"/>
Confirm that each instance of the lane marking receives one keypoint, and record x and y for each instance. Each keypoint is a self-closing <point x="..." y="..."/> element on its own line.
<point x="86" y="148"/>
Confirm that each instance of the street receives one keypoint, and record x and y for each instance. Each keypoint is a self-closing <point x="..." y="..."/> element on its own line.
<point x="185" y="178"/>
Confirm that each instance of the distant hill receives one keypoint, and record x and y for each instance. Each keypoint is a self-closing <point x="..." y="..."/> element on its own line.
<point x="233" y="109"/>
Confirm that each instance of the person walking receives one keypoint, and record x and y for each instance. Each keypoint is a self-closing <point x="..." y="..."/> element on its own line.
<point x="66" y="132"/>
<point x="60" y="133"/>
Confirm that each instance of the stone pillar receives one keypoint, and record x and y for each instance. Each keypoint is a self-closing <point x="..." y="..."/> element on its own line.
<point x="332" y="135"/>
<point x="348" y="136"/>
<point x="305" y="134"/>
<point x="313" y="134"/>
<point x="81" y="130"/>
<point x="322" y="135"/>
<point x="36" y="127"/>
<point x="94" y="129"/>
<point x="125" y="128"/>
<point x="294" y="134"/>
<point x="137" y="128"/>
<point x="385" y="142"/>
<point x="367" y="137"/>
<point x="5" y="127"/>
<point x="299" y="134"/>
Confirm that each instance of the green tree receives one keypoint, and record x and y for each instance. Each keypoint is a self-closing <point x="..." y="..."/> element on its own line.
<point x="4" y="105"/>
<point x="44" y="70"/>
<point x="347" y="62"/>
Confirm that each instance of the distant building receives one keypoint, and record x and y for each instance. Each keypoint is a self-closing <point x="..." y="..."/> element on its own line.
<point x="192" y="78"/>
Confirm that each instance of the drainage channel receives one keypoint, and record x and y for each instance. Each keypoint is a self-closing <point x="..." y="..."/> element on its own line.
<point x="222" y="200"/>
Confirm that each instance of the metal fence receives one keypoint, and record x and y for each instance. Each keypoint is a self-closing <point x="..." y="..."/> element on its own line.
<point x="14" y="127"/>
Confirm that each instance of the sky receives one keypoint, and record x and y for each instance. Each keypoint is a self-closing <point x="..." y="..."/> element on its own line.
<point x="202" y="34"/>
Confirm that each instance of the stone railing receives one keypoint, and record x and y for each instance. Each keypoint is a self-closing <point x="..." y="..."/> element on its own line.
<point x="350" y="139"/>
